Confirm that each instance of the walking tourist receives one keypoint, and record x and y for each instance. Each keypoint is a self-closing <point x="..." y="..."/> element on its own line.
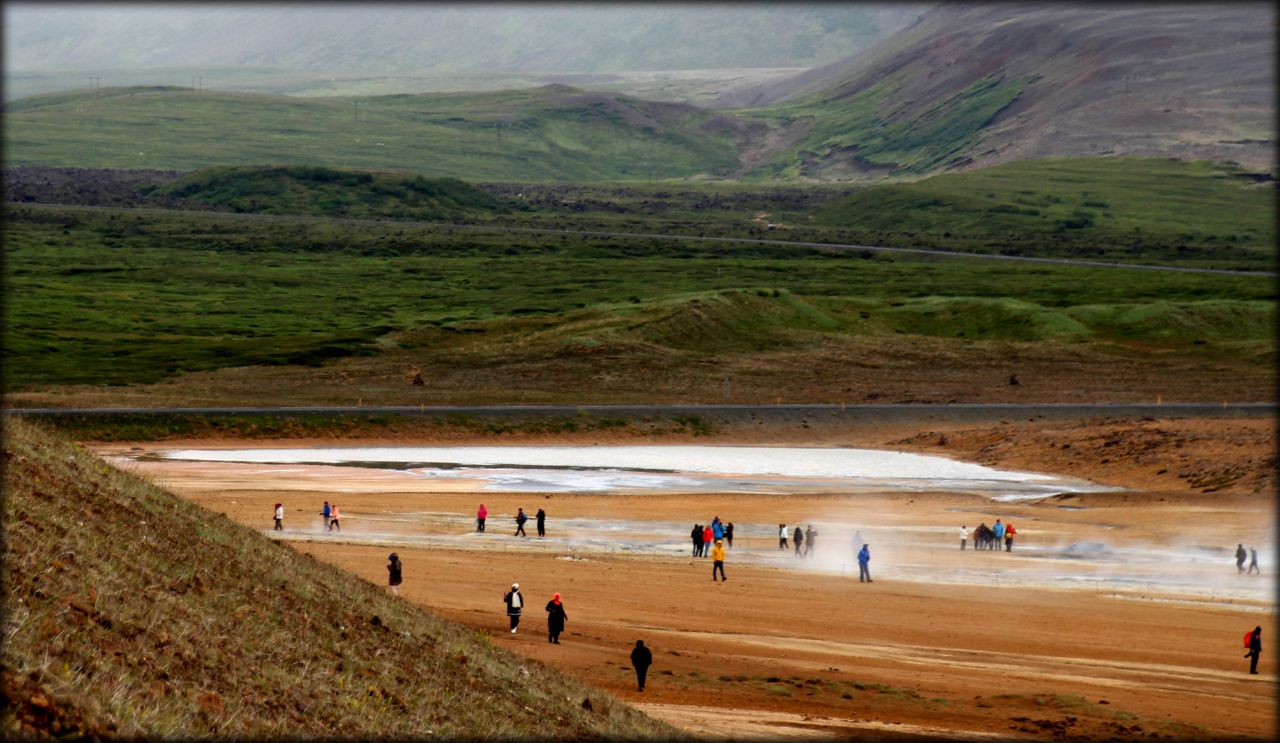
<point x="809" y="534"/>
<point x="964" y="537"/>
<point x="641" y="659"/>
<point x="707" y="538"/>
<point x="717" y="561"/>
<point x="482" y="513"/>
<point x="864" y="557"/>
<point x="782" y="536"/>
<point x="717" y="528"/>
<point x="555" y="619"/>
<point x="797" y="538"/>
<point x="696" y="536"/>
<point x="1241" y="556"/>
<point x="1255" y="649"/>
<point x="728" y="534"/>
<point x="279" y="517"/>
<point x="541" y="518"/>
<point x="335" y="518"/>
<point x="997" y="530"/>
<point x="325" y="513"/>
<point x="520" y="519"/>
<point x="1253" y="561"/>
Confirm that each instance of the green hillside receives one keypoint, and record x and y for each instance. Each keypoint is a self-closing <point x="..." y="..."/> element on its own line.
<point x="549" y="133"/>
<point x="1118" y="208"/>
<point x="131" y="612"/>
<point x="869" y="132"/>
<point x="324" y="191"/>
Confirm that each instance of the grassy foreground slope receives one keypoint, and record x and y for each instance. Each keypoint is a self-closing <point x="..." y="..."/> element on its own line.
<point x="131" y="612"/>
<point x="553" y="132"/>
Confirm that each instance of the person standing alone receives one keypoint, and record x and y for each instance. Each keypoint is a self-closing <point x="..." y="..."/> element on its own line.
<point x="555" y="619"/>
<point x="279" y="517"/>
<point x="515" y="603"/>
<point x="541" y="518"/>
<point x="482" y="513"/>
<point x="395" y="573"/>
<point x="641" y="659"/>
<point x="964" y="537"/>
<point x="864" y="557"/>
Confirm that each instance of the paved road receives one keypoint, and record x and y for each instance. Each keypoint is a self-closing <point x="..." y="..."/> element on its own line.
<point x="842" y="247"/>
<point x="853" y="413"/>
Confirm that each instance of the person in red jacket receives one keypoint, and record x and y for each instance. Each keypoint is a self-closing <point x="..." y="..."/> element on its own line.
<point x="706" y="540"/>
<point x="1255" y="649"/>
<point x="1008" y="537"/>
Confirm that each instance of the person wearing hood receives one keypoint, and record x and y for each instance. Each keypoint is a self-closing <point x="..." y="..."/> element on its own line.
<point x="482" y="513"/>
<point x="541" y="518"/>
<point x="717" y="561"/>
<point x="515" y="603"/>
<point x="1255" y="649"/>
<point x="641" y="659"/>
<point x="555" y="619"/>
<point x="864" y="557"/>
<point x="395" y="573"/>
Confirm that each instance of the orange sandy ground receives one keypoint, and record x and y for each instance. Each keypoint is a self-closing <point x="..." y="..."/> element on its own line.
<point x="786" y="650"/>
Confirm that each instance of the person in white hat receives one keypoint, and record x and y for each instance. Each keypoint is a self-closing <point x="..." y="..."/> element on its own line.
<point x="515" y="602"/>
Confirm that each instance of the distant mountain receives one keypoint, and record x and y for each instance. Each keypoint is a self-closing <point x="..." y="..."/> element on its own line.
<point x="571" y="37"/>
<point x="972" y="85"/>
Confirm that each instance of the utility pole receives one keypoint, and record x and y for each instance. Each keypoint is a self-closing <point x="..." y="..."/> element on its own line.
<point x="96" y="87"/>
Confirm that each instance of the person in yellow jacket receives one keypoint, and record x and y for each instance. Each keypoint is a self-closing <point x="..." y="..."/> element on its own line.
<point x="717" y="560"/>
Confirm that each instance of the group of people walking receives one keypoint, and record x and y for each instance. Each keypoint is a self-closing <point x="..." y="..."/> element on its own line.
<point x="803" y="539"/>
<point x="1253" y="560"/>
<point x="989" y="537"/>
<point x="482" y="515"/>
<point x="704" y="535"/>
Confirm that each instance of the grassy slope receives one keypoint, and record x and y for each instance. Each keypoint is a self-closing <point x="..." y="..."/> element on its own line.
<point x="324" y="191"/>
<point x="546" y="133"/>
<point x="104" y="298"/>
<point x="1129" y="204"/>
<point x="867" y="132"/>
<point x="131" y="611"/>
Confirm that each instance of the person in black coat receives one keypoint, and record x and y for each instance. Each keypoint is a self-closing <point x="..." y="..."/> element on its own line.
<point x="696" y="535"/>
<point x="395" y="571"/>
<point x="515" y="604"/>
<point x="641" y="659"/>
<point x="1255" y="649"/>
<point x="541" y="518"/>
<point x="555" y="619"/>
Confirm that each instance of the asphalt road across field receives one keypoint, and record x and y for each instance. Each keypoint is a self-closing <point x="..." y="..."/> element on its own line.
<point x="842" y="247"/>
<point x="795" y="413"/>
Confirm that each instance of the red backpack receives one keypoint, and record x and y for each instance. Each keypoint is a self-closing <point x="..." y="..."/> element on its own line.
<point x="1248" y="638"/>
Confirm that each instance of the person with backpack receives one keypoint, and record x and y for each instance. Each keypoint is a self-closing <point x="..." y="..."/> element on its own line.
<point x="641" y="659"/>
<point x="541" y="518"/>
<point x="717" y="561"/>
<point x="515" y="604"/>
<point x="1009" y="531"/>
<point x="797" y="538"/>
<point x="520" y="519"/>
<point x="1253" y="641"/>
<point x="555" y="619"/>
<point x="279" y="517"/>
<point x="395" y="573"/>
<point x="482" y="513"/>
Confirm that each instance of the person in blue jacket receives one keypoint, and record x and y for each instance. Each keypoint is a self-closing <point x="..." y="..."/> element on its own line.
<point x="998" y="530"/>
<point x="864" y="557"/>
<point x="717" y="529"/>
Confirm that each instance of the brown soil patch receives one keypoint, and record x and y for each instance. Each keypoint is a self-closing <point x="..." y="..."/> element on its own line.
<point x="784" y="648"/>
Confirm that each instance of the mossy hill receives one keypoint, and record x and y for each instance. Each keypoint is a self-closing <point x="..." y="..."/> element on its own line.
<point x="1119" y="206"/>
<point x="550" y="133"/>
<point x="131" y="612"/>
<point x="324" y="191"/>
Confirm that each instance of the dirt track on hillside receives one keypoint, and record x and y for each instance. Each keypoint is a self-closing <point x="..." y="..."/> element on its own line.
<point x="795" y="647"/>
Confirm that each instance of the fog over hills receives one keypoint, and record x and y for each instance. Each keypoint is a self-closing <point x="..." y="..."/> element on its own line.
<point x="399" y="38"/>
